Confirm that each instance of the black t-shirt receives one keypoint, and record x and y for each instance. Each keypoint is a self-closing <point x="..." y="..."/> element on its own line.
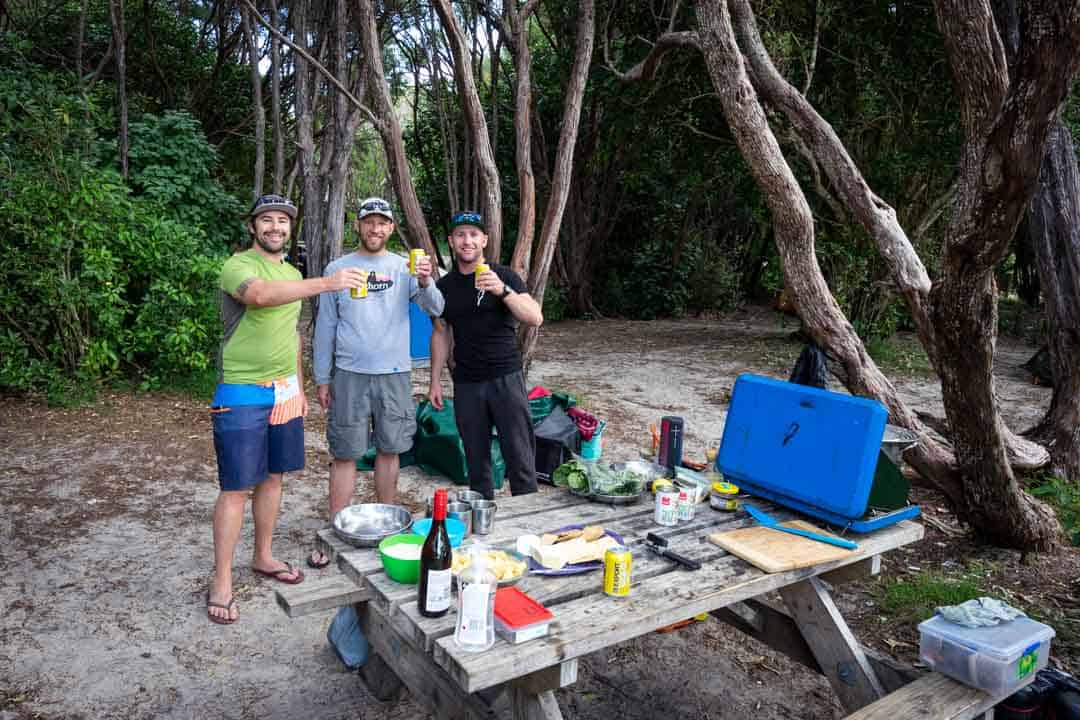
<point x="485" y="343"/>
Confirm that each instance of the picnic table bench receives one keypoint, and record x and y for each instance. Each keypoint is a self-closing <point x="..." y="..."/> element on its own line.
<point x="519" y="680"/>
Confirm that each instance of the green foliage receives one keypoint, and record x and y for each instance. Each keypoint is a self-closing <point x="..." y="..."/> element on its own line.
<point x="555" y="305"/>
<point x="916" y="597"/>
<point x="1061" y="495"/>
<point x="171" y="163"/>
<point x="97" y="283"/>
<point x="1017" y="319"/>
<point x="899" y="353"/>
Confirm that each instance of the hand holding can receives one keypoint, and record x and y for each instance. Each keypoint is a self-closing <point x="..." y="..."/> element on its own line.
<point x="414" y="258"/>
<point x="360" y="291"/>
<point x="481" y="268"/>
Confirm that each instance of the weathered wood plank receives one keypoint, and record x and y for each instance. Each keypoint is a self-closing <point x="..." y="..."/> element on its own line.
<point x="931" y="697"/>
<point x="552" y="591"/>
<point x="381" y="679"/>
<point x="527" y="706"/>
<point x="322" y="593"/>
<point x="430" y="684"/>
<point x="772" y="625"/>
<point x="854" y="571"/>
<point x="832" y="643"/>
<point x="591" y="623"/>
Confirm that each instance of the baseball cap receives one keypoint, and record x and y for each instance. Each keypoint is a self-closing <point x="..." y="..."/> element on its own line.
<point x="374" y="205"/>
<point x="467" y="217"/>
<point x="267" y="203"/>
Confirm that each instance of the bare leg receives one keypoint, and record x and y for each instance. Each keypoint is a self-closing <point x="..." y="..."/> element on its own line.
<point x="265" y="506"/>
<point x="342" y="484"/>
<point x="228" y="519"/>
<point x="387" y="466"/>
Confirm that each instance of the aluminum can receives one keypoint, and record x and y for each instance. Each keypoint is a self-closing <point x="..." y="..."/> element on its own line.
<point x="481" y="268"/>
<point x="667" y="507"/>
<point x="414" y="255"/>
<point x="684" y="508"/>
<point x="359" y="292"/>
<point x="617" y="562"/>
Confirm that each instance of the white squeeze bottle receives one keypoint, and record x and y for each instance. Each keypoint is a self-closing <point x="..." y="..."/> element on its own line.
<point x="475" y="630"/>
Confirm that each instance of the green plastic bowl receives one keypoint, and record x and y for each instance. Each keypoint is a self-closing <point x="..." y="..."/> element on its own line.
<point x="406" y="572"/>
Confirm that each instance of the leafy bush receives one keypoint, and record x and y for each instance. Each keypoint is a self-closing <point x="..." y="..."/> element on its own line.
<point x="97" y="282"/>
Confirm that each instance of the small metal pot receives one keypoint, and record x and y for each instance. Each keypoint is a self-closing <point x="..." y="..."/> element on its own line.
<point x="463" y="512"/>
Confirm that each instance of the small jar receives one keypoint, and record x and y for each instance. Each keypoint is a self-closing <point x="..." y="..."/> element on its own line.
<point x="722" y="497"/>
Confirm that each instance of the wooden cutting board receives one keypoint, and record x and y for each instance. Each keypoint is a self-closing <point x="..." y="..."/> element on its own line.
<point x="776" y="551"/>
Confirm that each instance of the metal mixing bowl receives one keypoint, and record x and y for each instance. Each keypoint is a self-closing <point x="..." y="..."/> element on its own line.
<point x="367" y="524"/>
<point x="896" y="440"/>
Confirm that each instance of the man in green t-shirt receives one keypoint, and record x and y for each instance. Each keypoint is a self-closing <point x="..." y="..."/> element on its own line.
<point x="259" y="405"/>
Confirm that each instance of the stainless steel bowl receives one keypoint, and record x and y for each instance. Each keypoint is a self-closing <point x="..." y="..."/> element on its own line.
<point x="365" y="525"/>
<point x="896" y="440"/>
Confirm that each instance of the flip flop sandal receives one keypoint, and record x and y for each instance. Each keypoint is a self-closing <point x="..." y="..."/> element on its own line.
<point x="227" y="607"/>
<point x="281" y="575"/>
<point x="318" y="565"/>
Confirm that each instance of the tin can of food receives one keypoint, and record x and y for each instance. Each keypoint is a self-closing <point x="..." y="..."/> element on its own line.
<point x="685" y="504"/>
<point x="414" y="256"/>
<point x="662" y="484"/>
<point x="667" y="507"/>
<point x="722" y="497"/>
<point x="617" y="561"/>
<point x="359" y="291"/>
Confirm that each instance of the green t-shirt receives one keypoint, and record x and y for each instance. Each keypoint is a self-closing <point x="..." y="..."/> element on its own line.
<point x="260" y="343"/>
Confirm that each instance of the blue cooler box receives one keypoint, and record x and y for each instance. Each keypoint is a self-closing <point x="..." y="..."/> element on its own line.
<point x="812" y="450"/>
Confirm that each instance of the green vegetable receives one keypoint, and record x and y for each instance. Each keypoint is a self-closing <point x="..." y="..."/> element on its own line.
<point x="572" y="474"/>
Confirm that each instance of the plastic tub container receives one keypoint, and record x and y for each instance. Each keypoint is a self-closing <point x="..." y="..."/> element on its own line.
<point x="998" y="660"/>
<point x="454" y="528"/>
<point x="518" y="617"/>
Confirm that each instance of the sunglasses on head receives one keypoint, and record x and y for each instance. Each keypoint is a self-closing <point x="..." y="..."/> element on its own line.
<point x="271" y="200"/>
<point x="375" y="206"/>
<point x="467" y="217"/>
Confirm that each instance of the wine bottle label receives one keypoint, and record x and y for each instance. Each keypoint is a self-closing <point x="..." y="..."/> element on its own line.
<point x="438" y="590"/>
<point x="474" y="606"/>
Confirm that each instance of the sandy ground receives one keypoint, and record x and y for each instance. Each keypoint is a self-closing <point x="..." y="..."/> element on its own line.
<point x="107" y="549"/>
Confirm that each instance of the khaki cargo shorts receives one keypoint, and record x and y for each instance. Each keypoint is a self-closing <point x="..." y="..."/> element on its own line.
<point x="359" y="402"/>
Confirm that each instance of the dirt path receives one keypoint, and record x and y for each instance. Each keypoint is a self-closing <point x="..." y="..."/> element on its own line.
<point x="107" y="549"/>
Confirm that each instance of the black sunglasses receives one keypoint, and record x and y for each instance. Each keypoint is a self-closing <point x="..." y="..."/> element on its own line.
<point x="375" y="205"/>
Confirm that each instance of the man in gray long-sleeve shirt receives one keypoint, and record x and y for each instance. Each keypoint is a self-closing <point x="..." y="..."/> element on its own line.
<point x="362" y="361"/>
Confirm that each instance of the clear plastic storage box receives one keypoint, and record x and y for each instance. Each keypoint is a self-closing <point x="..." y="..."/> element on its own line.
<point x="998" y="659"/>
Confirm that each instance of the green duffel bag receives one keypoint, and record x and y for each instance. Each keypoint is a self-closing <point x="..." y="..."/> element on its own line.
<point x="437" y="447"/>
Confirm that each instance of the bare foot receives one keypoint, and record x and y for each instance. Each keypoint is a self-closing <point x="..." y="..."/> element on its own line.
<point x="221" y="606"/>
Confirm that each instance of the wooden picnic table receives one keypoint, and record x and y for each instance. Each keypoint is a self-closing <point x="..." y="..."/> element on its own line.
<point x="519" y="680"/>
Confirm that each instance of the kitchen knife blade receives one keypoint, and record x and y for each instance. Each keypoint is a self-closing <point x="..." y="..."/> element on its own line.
<point x="770" y="522"/>
<point x="672" y="555"/>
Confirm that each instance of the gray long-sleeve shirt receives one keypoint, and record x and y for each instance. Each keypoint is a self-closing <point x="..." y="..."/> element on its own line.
<point x="370" y="335"/>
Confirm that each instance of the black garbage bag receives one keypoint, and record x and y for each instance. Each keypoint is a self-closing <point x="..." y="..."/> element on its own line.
<point x="1039" y="367"/>
<point x="812" y="367"/>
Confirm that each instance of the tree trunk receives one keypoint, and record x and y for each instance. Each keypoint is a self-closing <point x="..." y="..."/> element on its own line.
<point x="564" y="166"/>
<point x="275" y="102"/>
<point x="1055" y="234"/>
<point x="490" y="190"/>
<point x="256" y="104"/>
<point x="116" y="17"/>
<point x="1006" y="121"/>
<point x="390" y="130"/>
<point x="519" y="43"/>
<point x="306" y="94"/>
<point x="794" y="230"/>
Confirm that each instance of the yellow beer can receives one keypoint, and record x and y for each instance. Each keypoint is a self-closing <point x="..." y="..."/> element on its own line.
<point x="359" y="292"/>
<point x="481" y="268"/>
<point x="617" y="561"/>
<point x="414" y="256"/>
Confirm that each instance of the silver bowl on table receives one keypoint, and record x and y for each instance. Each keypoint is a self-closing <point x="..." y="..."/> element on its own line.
<point x="367" y="524"/>
<point x="896" y="440"/>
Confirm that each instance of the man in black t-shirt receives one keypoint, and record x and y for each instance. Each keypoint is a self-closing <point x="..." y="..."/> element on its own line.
<point x="482" y="313"/>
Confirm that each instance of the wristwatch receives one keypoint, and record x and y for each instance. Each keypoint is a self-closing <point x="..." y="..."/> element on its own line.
<point x="507" y="292"/>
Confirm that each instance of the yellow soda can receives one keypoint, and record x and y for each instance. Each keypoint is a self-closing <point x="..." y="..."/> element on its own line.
<point x="414" y="257"/>
<point x="481" y="268"/>
<point x="617" y="562"/>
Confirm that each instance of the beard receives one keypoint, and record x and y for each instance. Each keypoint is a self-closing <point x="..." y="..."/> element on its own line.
<point x="271" y="242"/>
<point x="373" y="244"/>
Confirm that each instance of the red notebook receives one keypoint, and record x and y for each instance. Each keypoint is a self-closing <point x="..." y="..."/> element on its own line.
<point x="516" y="610"/>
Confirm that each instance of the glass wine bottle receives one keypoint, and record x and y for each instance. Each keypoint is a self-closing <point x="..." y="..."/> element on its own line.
<point x="435" y="560"/>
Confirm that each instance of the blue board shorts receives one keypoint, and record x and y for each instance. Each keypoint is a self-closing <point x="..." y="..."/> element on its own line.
<point x="255" y="440"/>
